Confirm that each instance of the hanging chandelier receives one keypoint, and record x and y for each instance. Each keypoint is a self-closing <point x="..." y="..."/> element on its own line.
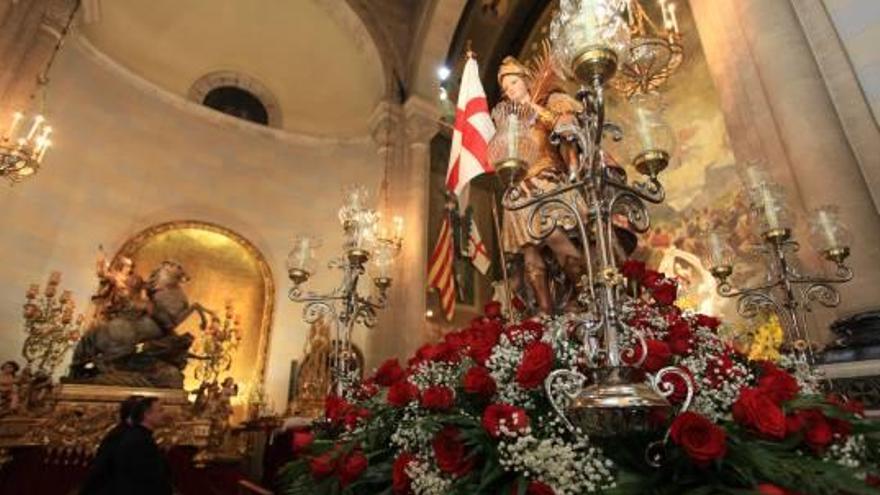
<point x="655" y="51"/>
<point x="23" y="144"/>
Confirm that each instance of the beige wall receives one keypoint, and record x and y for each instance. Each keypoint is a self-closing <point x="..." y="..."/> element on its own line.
<point x="857" y="23"/>
<point x="128" y="156"/>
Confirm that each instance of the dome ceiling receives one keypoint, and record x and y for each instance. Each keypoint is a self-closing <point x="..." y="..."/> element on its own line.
<point x="314" y="56"/>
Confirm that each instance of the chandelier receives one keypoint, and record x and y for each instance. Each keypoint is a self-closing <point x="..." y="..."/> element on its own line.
<point x="23" y="144"/>
<point x="370" y="244"/>
<point x="655" y="48"/>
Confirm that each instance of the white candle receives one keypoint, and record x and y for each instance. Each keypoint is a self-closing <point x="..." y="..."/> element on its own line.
<point x="716" y="248"/>
<point x="770" y="207"/>
<point x="398" y="227"/>
<point x="513" y="136"/>
<point x="37" y="121"/>
<point x="645" y="129"/>
<point x="42" y="152"/>
<point x="672" y="18"/>
<point x="16" y="119"/>
<point x="828" y="227"/>
<point x="303" y="254"/>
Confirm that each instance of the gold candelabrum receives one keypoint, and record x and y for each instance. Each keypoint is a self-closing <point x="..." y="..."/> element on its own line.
<point x="367" y="241"/>
<point x="51" y="324"/>
<point x="590" y="40"/>
<point x="785" y="289"/>
<point x="219" y="341"/>
<point x="655" y="49"/>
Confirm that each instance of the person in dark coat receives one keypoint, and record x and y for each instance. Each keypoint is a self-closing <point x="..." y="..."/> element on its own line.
<point x="99" y="478"/>
<point x="139" y="466"/>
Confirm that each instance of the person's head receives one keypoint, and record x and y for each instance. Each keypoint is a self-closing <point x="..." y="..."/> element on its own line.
<point x="126" y="408"/>
<point x="513" y="78"/>
<point x="147" y="412"/>
<point x="10" y="367"/>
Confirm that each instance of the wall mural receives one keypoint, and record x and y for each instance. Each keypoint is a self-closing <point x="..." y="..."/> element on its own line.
<point x="223" y="267"/>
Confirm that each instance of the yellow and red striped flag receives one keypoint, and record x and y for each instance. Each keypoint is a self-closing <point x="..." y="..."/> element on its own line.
<point x="440" y="273"/>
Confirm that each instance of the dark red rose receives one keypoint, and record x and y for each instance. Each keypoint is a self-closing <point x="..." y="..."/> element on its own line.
<point x="451" y="453"/>
<point x="679" y="385"/>
<point x="402" y="393"/>
<point x="301" y="440"/>
<point x="355" y="414"/>
<point x="539" y="488"/>
<point x="633" y="270"/>
<point x="794" y="423"/>
<point x="840" y="427"/>
<point x="437" y="398"/>
<point x="401" y="483"/>
<point x="389" y="373"/>
<point x="771" y="489"/>
<point x="707" y="321"/>
<point x="701" y="440"/>
<point x="482" y="338"/>
<point x="659" y="355"/>
<point x="816" y="428"/>
<point x="514" y="418"/>
<point x="679" y="338"/>
<point x="651" y="279"/>
<point x="665" y="293"/>
<point x="754" y="409"/>
<point x="532" y="330"/>
<point x="335" y="408"/>
<point x="537" y="362"/>
<point x="323" y="465"/>
<point x="778" y="384"/>
<point x="478" y="381"/>
<point x="492" y="310"/>
<point x="518" y="304"/>
<point x="719" y="370"/>
<point x="367" y="390"/>
<point x="351" y="467"/>
<point x="851" y="406"/>
<point x="457" y="341"/>
<point x="872" y="479"/>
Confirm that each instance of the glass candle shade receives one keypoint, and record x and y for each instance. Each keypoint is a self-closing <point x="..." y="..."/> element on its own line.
<point x="754" y="176"/>
<point x="590" y="38"/>
<point x="717" y="253"/>
<point x="772" y="217"/>
<point x="512" y="147"/>
<point x="302" y="256"/>
<point x="827" y="232"/>
<point x="382" y="262"/>
<point x="652" y="140"/>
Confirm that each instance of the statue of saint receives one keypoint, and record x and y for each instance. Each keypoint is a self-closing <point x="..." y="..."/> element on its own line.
<point x="121" y="291"/>
<point x="551" y="107"/>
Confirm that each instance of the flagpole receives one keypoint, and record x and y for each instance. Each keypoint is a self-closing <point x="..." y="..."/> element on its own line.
<point x="497" y="224"/>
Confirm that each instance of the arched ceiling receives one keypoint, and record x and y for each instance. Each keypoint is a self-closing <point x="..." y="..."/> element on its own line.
<point x="314" y="55"/>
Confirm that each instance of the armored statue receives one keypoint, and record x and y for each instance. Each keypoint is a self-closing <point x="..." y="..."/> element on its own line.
<point x="132" y="340"/>
<point x="547" y="270"/>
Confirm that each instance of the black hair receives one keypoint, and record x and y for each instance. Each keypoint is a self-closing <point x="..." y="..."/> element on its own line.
<point x="126" y="407"/>
<point x="140" y="408"/>
<point x="15" y="366"/>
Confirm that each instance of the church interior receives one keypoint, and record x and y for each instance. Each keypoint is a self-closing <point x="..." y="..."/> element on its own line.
<point x="440" y="247"/>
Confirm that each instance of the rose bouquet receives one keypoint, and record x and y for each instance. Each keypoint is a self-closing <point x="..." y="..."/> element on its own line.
<point x="469" y="415"/>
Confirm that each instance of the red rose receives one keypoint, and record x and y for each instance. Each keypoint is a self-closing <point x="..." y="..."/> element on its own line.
<point x="492" y="310"/>
<point x="770" y="489"/>
<point x="301" y="440"/>
<point x="816" y="428"/>
<point x="529" y="329"/>
<point x="351" y="467"/>
<point x="451" y="453"/>
<point x="633" y="270"/>
<point x="514" y="418"/>
<point x="537" y="362"/>
<point x="872" y="479"/>
<point x="478" y="381"/>
<point x="665" y="293"/>
<point x="659" y="355"/>
<point x="401" y="483"/>
<point x="335" y="408"/>
<point x="402" y="393"/>
<point x="323" y="465"/>
<point x="367" y="390"/>
<point x="756" y="410"/>
<point x="539" y="488"/>
<point x="482" y="338"/>
<point x="707" y="321"/>
<point x="679" y="338"/>
<point x="457" y="341"/>
<point x="437" y="398"/>
<point x="355" y="414"/>
<point x="389" y="373"/>
<point x="702" y="440"/>
<point x="851" y="406"/>
<point x="778" y="384"/>
<point x="651" y="279"/>
<point x="679" y="385"/>
<point x="719" y="370"/>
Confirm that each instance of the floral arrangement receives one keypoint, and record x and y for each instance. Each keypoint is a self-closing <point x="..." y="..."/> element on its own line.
<point x="469" y="415"/>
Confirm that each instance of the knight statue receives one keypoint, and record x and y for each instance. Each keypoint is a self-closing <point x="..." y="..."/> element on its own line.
<point x="132" y="340"/>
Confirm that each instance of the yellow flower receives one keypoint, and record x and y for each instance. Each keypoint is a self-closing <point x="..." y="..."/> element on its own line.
<point x="767" y="341"/>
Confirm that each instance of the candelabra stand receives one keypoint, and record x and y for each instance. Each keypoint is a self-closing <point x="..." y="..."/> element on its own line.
<point x="785" y="290"/>
<point x="590" y="40"/>
<point x="345" y="306"/>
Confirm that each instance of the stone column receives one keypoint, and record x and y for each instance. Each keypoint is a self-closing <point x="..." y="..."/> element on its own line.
<point x="403" y="136"/>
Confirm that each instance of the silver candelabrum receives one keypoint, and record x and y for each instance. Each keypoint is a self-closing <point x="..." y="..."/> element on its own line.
<point x="589" y="40"/>
<point x="369" y="246"/>
<point x="785" y="289"/>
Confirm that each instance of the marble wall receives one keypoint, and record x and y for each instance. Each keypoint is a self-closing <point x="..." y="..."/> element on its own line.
<point x="128" y="155"/>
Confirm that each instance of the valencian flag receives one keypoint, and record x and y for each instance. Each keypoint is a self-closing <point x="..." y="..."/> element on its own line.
<point x="468" y="158"/>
